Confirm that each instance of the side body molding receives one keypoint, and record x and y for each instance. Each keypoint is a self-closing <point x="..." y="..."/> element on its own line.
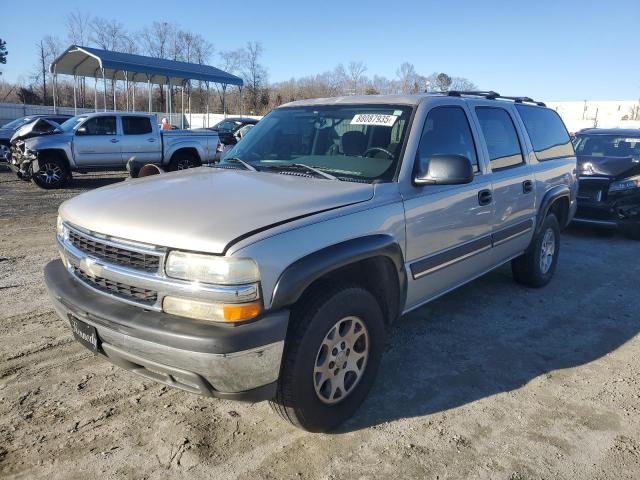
<point x="551" y="196"/>
<point x="303" y="272"/>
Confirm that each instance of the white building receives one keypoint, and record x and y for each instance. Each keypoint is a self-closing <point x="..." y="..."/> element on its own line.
<point x="602" y="114"/>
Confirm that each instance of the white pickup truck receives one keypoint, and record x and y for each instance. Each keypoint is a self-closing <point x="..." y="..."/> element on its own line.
<point x="109" y="141"/>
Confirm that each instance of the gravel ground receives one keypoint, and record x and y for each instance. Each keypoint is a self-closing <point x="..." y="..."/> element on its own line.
<point x="491" y="381"/>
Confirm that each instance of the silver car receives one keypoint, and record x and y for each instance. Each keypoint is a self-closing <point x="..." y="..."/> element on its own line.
<point x="325" y="225"/>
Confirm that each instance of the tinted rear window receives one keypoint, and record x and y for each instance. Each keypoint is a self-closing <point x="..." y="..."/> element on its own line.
<point x="136" y="125"/>
<point x="547" y="132"/>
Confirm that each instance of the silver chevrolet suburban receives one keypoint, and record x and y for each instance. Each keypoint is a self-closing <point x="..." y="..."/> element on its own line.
<point x="328" y="222"/>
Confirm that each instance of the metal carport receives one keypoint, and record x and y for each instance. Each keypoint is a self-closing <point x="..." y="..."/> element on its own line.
<point x="117" y="66"/>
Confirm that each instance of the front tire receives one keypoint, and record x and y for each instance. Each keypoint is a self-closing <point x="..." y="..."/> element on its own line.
<point x="183" y="161"/>
<point x="536" y="266"/>
<point x="53" y="173"/>
<point x="331" y="358"/>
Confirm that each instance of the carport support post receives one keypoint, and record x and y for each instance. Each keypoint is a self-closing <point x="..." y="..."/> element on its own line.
<point x="224" y="99"/>
<point x="149" y="91"/>
<point x="182" y="107"/>
<point x="170" y="103"/>
<point x="126" y="88"/>
<point x="55" y="80"/>
<point x="75" y="104"/>
<point x="115" y="72"/>
<point x="207" y="123"/>
<point x="95" y="94"/>
<point x="189" y="107"/>
<point x="104" y="91"/>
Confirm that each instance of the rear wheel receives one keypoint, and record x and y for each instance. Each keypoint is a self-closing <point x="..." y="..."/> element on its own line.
<point x="183" y="161"/>
<point x="331" y="358"/>
<point x="53" y="173"/>
<point x="536" y="266"/>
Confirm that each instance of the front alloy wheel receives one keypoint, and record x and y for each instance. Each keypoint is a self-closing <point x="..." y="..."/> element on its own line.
<point x="548" y="249"/>
<point x="52" y="174"/>
<point x="341" y="360"/>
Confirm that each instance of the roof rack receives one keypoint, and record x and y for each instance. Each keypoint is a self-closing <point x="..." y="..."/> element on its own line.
<point x="491" y="95"/>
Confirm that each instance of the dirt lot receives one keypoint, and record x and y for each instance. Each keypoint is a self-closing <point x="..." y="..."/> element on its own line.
<point x="491" y="381"/>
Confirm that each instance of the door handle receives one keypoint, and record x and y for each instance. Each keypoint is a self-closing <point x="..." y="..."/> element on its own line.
<point x="527" y="186"/>
<point x="114" y="140"/>
<point x="151" y="140"/>
<point x="485" y="197"/>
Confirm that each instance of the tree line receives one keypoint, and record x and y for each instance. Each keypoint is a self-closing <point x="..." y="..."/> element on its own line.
<point x="169" y="41"/>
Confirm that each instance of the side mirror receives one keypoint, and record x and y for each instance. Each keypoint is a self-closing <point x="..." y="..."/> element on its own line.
<point x="81" y="131"/>
<point x="444" y="170"/>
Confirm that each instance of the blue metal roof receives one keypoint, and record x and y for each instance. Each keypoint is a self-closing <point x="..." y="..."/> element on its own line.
<point x="93" y="62"/>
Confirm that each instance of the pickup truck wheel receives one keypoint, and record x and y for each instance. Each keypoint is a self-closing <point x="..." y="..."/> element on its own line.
<point x="536" y="266"/>
<point x="52" y="174"/>
<point x="183" y="161"/>
<point x="331" y="358"/>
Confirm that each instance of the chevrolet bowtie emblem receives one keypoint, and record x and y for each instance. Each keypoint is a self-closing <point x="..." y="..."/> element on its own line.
<point x="91" y="267"/>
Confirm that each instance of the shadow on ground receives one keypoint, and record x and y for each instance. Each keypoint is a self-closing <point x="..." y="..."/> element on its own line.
<point x="494" y="336"/>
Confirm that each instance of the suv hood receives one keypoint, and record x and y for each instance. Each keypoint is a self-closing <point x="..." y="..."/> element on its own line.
<point x="205" y="209"/>
<point x="612" y="167"/>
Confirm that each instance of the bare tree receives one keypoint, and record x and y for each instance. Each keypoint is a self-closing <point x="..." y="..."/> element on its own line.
<point x="355" y="73"/>
<point x="254" y="73"/>
<point x="78" y="31"/>
<point x="48" y="49"/>
<point x="109" y="34"/>
<point x="407" y="75"/>
<point x="78" y="27"/>
<point x="462" y="84"/>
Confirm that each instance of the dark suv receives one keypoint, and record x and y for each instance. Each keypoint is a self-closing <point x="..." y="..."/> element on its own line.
<point x="227" y="130"/>
<point x="609" y="179"/>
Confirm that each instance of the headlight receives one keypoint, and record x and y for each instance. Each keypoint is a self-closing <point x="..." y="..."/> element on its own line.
<point x="215" y="312"/>
<point x="626" y="184"/>
<point x="211" y="269"/>
<point x="61" y="230"/>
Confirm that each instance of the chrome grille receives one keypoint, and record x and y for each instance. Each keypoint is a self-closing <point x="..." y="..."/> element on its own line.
<point x="113" y="254"/>
<point x="128" y="292"/>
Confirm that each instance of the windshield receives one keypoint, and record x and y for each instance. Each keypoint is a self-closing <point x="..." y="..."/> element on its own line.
<point x="607" y="146"/>
<point x="226" y="125"/>
<point x="351" y="142"/>
<point x="17" y="123"/>
<point x="71" y="123"/>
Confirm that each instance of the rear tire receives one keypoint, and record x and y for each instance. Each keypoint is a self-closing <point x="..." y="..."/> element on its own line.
<point x="183" y="161"/>
<point x="536" y="266"/>
<point x="53" y="173"/>
<point x="332" y="353"/>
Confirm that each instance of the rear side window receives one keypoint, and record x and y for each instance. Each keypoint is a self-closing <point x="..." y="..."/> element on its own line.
<point x="501" y="137"/>
<point x="447" y="132"/>
<point x="546" y="131"/>
<point x="136" y="125"/>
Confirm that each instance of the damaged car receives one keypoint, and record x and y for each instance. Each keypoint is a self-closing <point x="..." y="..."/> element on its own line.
<point x="609" y="179"/>
<point x="8" y="130"/>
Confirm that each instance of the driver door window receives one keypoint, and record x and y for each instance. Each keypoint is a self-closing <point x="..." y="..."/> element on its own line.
<point x="100" y="126"/>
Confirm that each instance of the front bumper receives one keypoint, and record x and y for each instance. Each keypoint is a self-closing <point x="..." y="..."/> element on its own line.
<point x="240" y="362"/>
<point x="617" y="210"/>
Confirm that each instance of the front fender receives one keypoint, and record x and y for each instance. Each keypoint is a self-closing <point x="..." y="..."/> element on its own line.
<point x="553" y="194"/>
<point x="297" y="277"/>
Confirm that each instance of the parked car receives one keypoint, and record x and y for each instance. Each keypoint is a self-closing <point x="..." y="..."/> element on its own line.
<point x="332" y="219"/>
<point x="9" y="129"/>
<point x="229" y="131"/>
<point x="240" y="133"/>
<point x="609" y="179"/>
<point x="109" y="141"/>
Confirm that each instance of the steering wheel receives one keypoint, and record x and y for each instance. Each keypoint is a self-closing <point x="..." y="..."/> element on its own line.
<point x="378" y="149"/>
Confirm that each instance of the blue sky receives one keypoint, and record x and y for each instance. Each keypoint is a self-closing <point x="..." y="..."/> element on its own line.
<point x="549" y="50"/>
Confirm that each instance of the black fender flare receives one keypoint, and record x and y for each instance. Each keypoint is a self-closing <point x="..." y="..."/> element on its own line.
<point x="551" y="196"/>
<point x="295" y="279"/>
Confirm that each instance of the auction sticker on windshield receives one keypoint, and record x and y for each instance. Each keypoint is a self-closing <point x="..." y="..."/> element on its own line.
<point x="374" y="119"/>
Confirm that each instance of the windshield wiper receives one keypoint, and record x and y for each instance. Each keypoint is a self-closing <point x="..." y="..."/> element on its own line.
<point x="246" y="165"/>
<point x="302" y="166"/>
